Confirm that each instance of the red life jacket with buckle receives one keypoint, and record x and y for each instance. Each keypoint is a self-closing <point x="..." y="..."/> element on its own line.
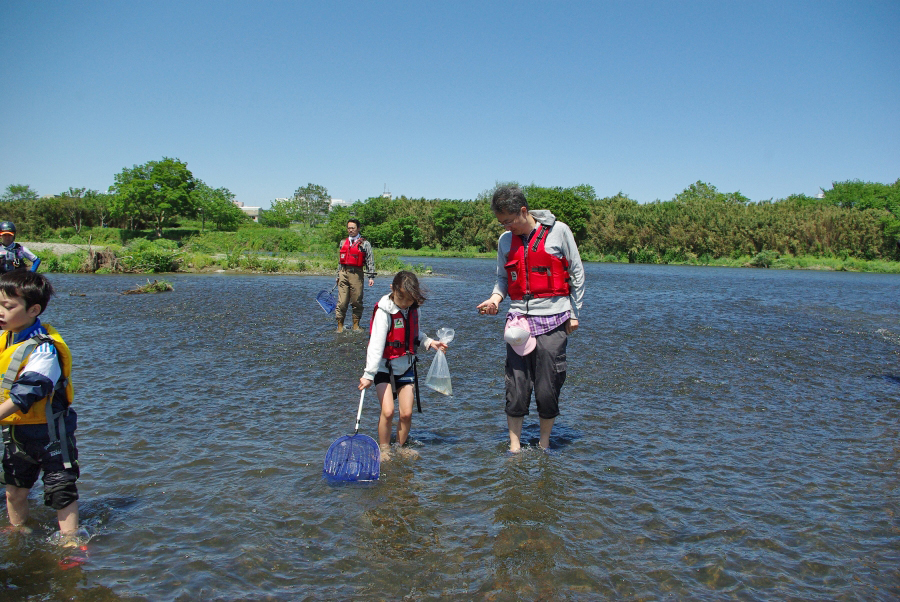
<point x="533" y="272"/>
<point x="402" y="335"/>
<point x="352" y="254"/>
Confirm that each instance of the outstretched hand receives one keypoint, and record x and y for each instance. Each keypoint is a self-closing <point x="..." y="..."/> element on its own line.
<point x="488" y="307"/>
<point x="438" y="345"/>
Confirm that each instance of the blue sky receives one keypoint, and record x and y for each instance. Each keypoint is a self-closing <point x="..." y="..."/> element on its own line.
<point x="442" y="100"/>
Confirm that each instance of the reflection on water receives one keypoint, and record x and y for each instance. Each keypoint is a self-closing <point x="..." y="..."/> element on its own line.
<point x="724" y="433"/>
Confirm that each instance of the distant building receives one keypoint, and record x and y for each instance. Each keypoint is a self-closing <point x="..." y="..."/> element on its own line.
<point x="253" y="212"/>
<point x="339" y="203"/>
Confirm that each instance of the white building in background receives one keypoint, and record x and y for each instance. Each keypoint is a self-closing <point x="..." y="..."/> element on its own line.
<point x="339" y="203"/>
<point x="253" y="212"/>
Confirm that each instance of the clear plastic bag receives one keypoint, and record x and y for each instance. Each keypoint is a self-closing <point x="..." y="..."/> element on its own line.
<point x="439" y="373"/>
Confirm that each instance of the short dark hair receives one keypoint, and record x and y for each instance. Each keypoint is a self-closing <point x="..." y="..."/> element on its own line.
<point x="407" y="282"/>
<point x="508" y="199"/>
<point x="355" y="221"/>
<point x="29" y="286"/>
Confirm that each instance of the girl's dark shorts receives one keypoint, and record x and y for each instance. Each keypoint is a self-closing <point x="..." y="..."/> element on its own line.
<point x="407" y="378"/>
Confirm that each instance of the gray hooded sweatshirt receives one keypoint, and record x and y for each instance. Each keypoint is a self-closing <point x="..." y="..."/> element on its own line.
<point x="559" y="242"/>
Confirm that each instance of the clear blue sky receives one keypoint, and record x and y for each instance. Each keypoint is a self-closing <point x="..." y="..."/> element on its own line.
<point x="443" y="99"/>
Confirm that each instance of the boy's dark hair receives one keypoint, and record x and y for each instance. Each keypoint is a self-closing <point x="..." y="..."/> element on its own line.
<point x="508" y="199"/>
<point x="407" y="282"/>
<point x="355" y="221"/>
<point x="29" y="286"/>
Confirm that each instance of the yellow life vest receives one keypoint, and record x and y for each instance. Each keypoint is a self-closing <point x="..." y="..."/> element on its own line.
<point x="38" y="412"/>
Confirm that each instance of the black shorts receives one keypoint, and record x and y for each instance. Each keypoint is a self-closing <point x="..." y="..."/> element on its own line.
<point x="33" y="441"/>
<point x="407" y="378"/>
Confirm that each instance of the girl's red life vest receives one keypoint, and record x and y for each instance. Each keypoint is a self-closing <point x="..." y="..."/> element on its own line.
<point x="402" y="334"/>
<point x="533" y="272"/>
<point x="352" y="254"/>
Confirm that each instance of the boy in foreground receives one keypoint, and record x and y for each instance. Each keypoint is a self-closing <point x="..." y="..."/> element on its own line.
<point x="38" y="425"/>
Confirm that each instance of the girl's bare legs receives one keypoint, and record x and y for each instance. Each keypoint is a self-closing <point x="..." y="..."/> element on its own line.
<point x="405" y="399"/>
<point x="386" y="421"/>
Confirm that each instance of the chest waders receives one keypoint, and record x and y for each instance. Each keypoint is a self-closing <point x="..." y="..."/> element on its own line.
<point x="56" y="421"/>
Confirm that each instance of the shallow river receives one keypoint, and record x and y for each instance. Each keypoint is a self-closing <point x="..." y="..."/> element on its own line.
<point x="725" y="433"/>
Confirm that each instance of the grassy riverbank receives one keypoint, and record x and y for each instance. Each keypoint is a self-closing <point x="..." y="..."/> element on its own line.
<point x="304" y="250"/>
<point x="151" y="260"/>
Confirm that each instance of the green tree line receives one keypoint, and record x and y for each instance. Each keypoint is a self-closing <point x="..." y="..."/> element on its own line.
<point x="851" y="219"/>
<point x="154" y="195"/>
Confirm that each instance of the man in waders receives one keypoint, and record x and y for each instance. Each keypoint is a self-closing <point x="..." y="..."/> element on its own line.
<point x="356" y="261"/>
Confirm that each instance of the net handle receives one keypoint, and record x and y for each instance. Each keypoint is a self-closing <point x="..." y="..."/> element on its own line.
<point x="362" y="394"/>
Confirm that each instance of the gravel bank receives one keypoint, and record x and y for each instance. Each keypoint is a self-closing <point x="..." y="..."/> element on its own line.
<point x="60" y="248"/>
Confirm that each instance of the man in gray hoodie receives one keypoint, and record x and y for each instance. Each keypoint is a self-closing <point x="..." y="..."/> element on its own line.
<point x="539" y="269"/>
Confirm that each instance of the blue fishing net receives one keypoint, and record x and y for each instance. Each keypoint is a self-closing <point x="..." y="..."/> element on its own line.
<point x="353" y="458"/>
<point x="326" y="300"/>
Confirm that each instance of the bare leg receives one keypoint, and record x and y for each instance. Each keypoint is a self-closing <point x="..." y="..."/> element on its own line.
<point x="546" y="428"/>
<point x="515" y="432"/>
<point x="17" y="505"/>
<point x="386" y="421"/>
<point x="406" y="399"/>
<point x="68" y="519"/>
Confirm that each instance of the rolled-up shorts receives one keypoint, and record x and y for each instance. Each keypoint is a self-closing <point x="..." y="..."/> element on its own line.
<point x="19" y="472"/>
<point x="542" y="371"/>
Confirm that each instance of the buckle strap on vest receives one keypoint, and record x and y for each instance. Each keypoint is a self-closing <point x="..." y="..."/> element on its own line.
<point x="537" y="239"/>
<point x="56" y="425"/>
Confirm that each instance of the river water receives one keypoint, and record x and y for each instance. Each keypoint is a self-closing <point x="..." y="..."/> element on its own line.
<point x="725" y="433"/>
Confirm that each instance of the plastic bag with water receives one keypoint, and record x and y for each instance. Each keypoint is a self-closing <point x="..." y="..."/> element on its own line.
<point x="439" y="373"/>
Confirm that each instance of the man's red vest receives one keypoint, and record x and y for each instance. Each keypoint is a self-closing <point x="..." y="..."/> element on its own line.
<point x="402" y="335"/>
<point x="533" y="272"/>
<point x="352" y="254"/>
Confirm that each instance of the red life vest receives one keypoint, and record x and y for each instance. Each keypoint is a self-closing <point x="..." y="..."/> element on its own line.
<point x="402" y="334"/>
<point x="533" y="272"/>
<point x="352" y="254"/>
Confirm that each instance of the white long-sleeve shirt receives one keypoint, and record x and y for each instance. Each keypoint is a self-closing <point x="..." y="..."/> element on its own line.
<point x="381" y="322"/>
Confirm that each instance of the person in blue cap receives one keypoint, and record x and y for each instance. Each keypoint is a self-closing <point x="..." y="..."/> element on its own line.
<point x="12" y="254"/>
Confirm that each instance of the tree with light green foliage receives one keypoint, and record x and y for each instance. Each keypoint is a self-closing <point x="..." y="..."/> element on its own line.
<point x="19" y="192"/>
<point x="857" y="194"/>
<point x="570" y="205"/>
<point x="278" y="215"/>
<point x="154" y="192"/>
<point x="217" y="206"/>
<point x="311" y="204"/>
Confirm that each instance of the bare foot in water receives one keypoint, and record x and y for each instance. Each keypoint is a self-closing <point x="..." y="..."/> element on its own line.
<point x="385" y="452"/>
<point x="408" y="452"/>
